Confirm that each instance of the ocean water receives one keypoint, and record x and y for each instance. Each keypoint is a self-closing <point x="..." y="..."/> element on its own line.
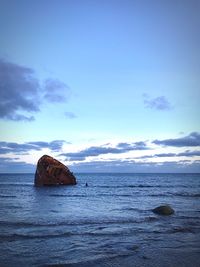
<point x="112" y="217"/>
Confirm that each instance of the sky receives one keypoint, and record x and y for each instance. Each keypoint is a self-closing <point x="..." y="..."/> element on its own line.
<point x="103" y="86"/>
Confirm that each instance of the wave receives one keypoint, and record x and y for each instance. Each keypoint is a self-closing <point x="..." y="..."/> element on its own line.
<point x="182" y="230"/>
<point x="140" y="186"/>
<point x="181" y="194"/>
<point x="184" y="194"/>
<point x="14" y="237"/>
<point x="165" y="194"/>
<point x="90" y="195"/>
<point x="182" y="217"/>
<point x="78" y="223"/>
<point x="132" y="209"/>
<point x="16" y="184"/>
<point x="175" y="230"/>
<point x="61" y="195"/>
<point x="96" y="232"/>
<point x="8" y="196"/>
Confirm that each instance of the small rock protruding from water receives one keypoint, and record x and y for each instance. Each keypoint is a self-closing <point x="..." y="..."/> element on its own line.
<point x="163" y="210"/>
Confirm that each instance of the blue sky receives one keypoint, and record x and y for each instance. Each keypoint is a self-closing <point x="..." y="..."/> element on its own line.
<point x="97" y="83"/>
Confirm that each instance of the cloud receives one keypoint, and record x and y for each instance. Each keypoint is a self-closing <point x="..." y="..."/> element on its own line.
<point x="102" y="150"/>
<point x="16" y="148"/>
<point x="74" y="158"/>
<point x="55" y="145"/>
<point x="92" y="152"/>
<point x="21" y="92"/>
<point x="133" y="146"/>
<point x="70" y="115"/>
<point x="123" y="145"/>
<point x="8" y="165"/>
<point x="56" y="91"/>
<point x="158" y="103"/>
<point x="190" y="140"/>
<point x="161" y="155"/>
<point x="121" y="166"/>
<point x="11" y="165"/>
<point x="187" y="153"/>
<point x="18" y="92"/>
<point x="19" y="117"/>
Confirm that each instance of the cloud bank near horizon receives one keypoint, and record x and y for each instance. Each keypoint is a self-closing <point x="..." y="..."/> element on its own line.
<point x="92" y="158"/>
<point x="103" y="150"/>
<point x="8" y="165"/>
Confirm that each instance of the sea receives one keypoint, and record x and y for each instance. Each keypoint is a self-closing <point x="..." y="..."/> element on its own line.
<point x="111" y="217"/>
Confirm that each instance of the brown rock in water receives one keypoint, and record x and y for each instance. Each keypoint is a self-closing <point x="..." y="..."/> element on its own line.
<point x="163" y="210"/>
<point x="52" y="172"/>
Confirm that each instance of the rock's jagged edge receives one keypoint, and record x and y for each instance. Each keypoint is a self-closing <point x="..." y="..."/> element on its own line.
<point x="50" y="171"/>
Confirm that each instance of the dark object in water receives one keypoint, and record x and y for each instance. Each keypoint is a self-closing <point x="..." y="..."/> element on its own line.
<point x="163" y="210"/>
<point x="86" y="184"/>
<point x="52" y="172"/>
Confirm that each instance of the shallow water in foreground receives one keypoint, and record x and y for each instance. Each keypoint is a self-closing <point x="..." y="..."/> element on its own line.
<point x="111" y="217"/>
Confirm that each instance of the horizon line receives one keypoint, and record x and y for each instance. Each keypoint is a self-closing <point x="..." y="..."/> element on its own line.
<point x="111" y="172"/>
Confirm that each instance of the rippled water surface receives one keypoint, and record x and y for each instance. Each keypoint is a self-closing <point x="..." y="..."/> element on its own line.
<point x="110" y="217"/>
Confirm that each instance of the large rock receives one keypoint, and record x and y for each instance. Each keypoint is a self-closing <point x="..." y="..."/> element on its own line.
<point x="163" y="210"/>
<point x="52" y="172"/>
